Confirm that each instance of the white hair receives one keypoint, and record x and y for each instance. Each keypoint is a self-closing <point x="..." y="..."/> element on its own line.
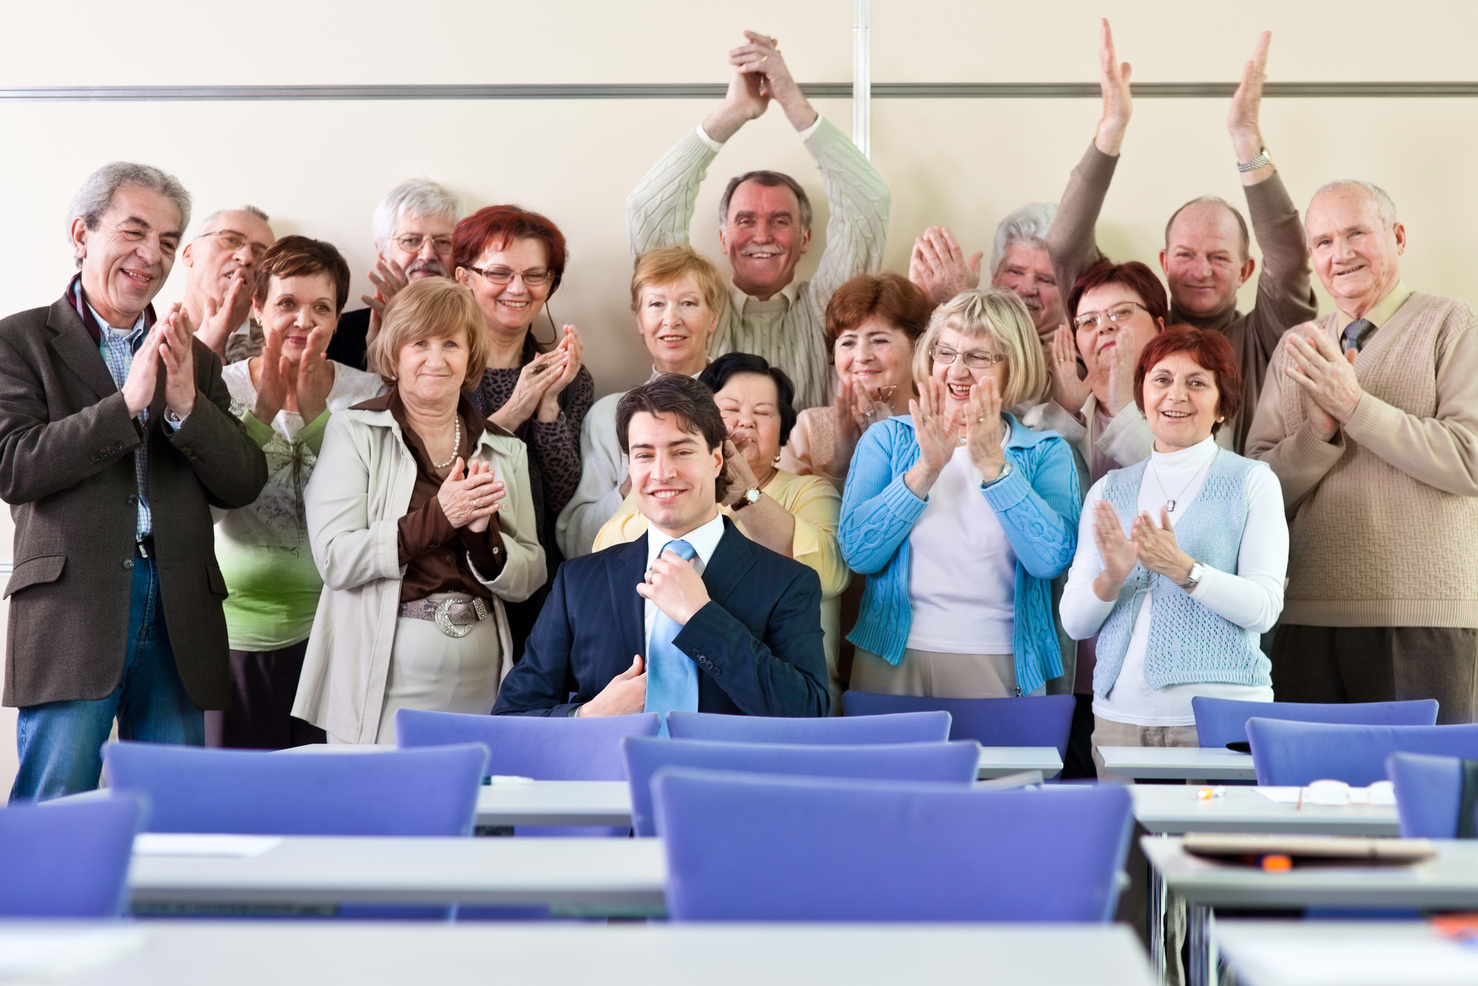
<point x="209" y="221"/>
<point x="1028" y="225"/>
<point x="96" y="193"/>
<point x="1383" y="203"/>
<point x="416" y="197"/>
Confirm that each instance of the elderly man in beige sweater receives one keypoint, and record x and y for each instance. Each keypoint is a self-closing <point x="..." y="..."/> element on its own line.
<point x="766" y="220"/>
<point x="1369" y="418"/>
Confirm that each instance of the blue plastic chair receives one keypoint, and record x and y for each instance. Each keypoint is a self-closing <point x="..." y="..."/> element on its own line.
<point x="1040" y="720"/>
<point x="1428" y="794"/>
<point x="546" y="748"/>
<point x="751" y="847"/>
<point x="907" y="727"/>
<point x="255" y="792"/>
<point x="942" y="762"/>
<point x="67" y="860"/>
<point x="1296" y="753"/>
<point x="1220" y="721"/>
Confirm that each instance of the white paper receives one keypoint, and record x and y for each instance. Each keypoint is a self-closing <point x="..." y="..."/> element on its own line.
<point x="184" y="844"/>
<point x="45" y="954"/>
<point x="509" y="780"/>
<point x="1379" y="794"/>
<point x="1349" y="961"/>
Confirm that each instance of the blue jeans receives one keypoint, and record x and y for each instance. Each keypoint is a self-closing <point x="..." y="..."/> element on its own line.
<point x="60" y="743"/>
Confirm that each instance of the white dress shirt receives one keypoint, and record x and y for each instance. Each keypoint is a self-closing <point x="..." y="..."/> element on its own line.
<point x="704" y="540"/>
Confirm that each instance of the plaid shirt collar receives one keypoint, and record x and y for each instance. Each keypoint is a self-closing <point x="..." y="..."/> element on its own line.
<point x="77" y="298"/>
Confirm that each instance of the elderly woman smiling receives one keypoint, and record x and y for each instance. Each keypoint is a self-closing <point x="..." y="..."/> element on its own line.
<point x="422" y="526"/>
<point x="1181" y="557"/>
<point x="961" y="517"/>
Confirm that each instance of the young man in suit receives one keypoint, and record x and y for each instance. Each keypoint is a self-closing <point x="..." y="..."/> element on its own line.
<point x="636" y="627"/>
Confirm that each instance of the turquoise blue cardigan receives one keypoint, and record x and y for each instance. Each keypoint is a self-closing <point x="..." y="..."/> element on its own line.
<point x="1038" y="506"/>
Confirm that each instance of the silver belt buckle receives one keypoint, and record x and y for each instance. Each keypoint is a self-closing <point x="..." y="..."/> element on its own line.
<point x="443" y="617"/>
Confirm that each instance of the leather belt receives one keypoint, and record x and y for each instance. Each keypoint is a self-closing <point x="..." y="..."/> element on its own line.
<point x="144" y="547"/>
<point x="453" y="617"/>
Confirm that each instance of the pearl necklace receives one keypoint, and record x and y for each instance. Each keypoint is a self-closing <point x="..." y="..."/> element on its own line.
<point x="456" y="444"/>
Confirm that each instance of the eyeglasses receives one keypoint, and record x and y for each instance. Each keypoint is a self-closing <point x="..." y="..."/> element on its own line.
<point x="535" y="277"/>
<point x="974" y="360"/>
<point x="412" y="242"/>
<point x="1122" y="312"/>
<point x="233" y="241"/>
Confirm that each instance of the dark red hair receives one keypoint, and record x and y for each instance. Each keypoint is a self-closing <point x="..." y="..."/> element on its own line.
<point x="1134" y="275"/>
<point x="500" y="225"/>
<point x="1210" y="350"/>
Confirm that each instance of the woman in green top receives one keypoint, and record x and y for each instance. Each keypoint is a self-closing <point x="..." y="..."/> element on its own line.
<point x="284" y="398"/>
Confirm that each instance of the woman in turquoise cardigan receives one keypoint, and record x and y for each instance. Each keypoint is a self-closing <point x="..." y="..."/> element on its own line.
<point x="960" y="517"/>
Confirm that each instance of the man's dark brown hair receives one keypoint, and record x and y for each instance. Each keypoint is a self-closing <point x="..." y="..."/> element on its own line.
<point x="688" y="401"/>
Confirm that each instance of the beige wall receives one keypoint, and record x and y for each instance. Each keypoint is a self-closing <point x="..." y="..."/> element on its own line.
<point x="319" y="168"/>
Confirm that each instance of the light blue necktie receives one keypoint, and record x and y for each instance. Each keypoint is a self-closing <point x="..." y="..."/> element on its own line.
<point x="672" y="677"/>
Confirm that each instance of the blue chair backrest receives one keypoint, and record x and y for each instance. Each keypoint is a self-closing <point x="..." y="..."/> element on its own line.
<point x="906" y="727"/>
<point x="753" y="847"/>
<point x="67" y="860"/>
<point x="1429" y="793"/>
<point x="1220" y="721"/>
<point x="254" y="792"/>
<point x="1041" y="720"/>
<point x="1296" y="753"/>
<point x="546" y="748"/>
<point x="942" y="762"/>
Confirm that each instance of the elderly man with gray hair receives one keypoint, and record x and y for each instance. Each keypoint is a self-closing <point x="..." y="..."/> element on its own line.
<point x="219" y="263"/>
<point x="1018" y="262"/>
<point x="765" y="222"/>
<point x="116" y="439"/>
<point x="413" y="228"/>
<point x="1369" y="419"/>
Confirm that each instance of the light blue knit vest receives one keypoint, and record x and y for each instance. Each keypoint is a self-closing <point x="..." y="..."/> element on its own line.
<point x="1188" y="642"/>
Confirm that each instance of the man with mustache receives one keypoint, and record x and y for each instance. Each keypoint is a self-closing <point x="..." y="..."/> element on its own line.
<point x="220" y="262"/>
<point x="116" y="440"/>
<point x="1207" y="250"/>
<point x="765" y="219"/>
<point x="413" y="239"/>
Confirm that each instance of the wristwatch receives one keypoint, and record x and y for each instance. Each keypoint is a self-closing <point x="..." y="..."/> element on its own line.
<point x="1005" y="471"/>
<point x="751" y="495"/>
<point x="1194" y="578"/>
<point x="1261" y="161"/>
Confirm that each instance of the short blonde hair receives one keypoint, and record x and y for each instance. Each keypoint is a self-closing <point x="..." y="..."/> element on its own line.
<point x="669" y="264"/>
<point x="429" y="308"/>
<point x="1001" y="317"/>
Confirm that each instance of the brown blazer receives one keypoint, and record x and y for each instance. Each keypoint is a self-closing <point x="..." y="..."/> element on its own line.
<point x="67" y="470"/>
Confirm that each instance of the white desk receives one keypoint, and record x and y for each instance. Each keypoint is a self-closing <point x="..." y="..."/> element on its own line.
<point x="1448" y="881"/>
<point x="605" y="803"/>
<point x="1171" y="809"/>
<point x="1177" y="763"/>
<point x="600" y="875"/>
<point x="998" y="761"/>
<point x="387" y="954"/>
<point x="1358" y="953"/>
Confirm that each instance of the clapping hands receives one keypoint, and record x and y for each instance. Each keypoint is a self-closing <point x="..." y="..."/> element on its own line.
<point x="1148" y="543"/>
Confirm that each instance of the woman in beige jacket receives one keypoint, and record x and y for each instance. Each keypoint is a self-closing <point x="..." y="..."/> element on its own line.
<point x="422" y="526"/>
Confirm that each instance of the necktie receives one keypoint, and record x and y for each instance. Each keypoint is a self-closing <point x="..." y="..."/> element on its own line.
<point x="1355" y="333"/>
<point x="672" y="677"/>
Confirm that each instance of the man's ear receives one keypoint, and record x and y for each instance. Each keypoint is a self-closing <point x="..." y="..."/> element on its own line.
<point x="79" y="238"/>
<point x="185" y="254"/>
<point x="805" y="241"/>
<point x="1248" y="266"/>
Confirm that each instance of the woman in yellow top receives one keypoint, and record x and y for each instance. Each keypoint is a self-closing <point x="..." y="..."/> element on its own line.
<point x="796" y="516"/>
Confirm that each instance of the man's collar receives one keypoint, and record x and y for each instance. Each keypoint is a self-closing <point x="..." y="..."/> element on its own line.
<point x="657" y="373"/>
<point x="1383" y="310"/>
<point x="738" y="297"/>
<point x="704" y="539"/>
<point x="76" y="296"/>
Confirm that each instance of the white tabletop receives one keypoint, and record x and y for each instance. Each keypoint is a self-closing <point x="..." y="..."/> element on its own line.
<point x="1344" y="953"/>
<point x="998" y="761"/>
<point x="1174" y="809"/>
<point x="252" y="953"/>
<point x="608" y="875"/>
<point x="1448" y="881"/>
<point x="556" y="803"/>
<point x="1177" y="763"/>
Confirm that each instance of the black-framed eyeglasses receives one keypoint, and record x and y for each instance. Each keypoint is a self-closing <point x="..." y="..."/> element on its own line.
<point x="974" y="359"/>
<point x="233" y="241"/>
<point x="535" y="277"/>
<point x="1122" y="312"/>
<point x="412" y="243"/>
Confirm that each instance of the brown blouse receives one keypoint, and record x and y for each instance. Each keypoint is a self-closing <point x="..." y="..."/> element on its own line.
<point x="435" y="554"/>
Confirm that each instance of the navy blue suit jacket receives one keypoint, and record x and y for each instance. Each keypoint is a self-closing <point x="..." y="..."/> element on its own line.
<point x="757" y="643"/>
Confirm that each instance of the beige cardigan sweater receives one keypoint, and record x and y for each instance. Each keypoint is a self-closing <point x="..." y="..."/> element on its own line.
<point x="1383" y="520"/>
<point x="359" y="491"/>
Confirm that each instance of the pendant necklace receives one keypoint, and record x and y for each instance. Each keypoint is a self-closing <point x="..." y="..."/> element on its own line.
<point x="1170" y="501"/>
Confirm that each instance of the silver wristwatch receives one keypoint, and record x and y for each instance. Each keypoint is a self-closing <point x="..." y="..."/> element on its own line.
<point x="1261" y="161"/>
<point x="1194" y="578"/>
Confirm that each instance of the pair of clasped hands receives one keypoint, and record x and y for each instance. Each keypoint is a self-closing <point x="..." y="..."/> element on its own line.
<point x="1149" y="544"/>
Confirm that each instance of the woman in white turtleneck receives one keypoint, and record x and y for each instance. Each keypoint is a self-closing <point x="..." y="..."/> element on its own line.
<point x="1181" y="557"/>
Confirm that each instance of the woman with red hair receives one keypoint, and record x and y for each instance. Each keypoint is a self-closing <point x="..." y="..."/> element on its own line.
<point x="513" y="261"/>
<point x="1181" y="557"/>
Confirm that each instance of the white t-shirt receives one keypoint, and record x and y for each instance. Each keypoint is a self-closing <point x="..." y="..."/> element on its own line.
<point x="1251" y="597"/>
<point x="961" y="568"/>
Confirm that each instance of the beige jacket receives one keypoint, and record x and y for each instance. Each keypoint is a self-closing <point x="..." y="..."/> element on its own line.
<point x="359" y="491"/>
